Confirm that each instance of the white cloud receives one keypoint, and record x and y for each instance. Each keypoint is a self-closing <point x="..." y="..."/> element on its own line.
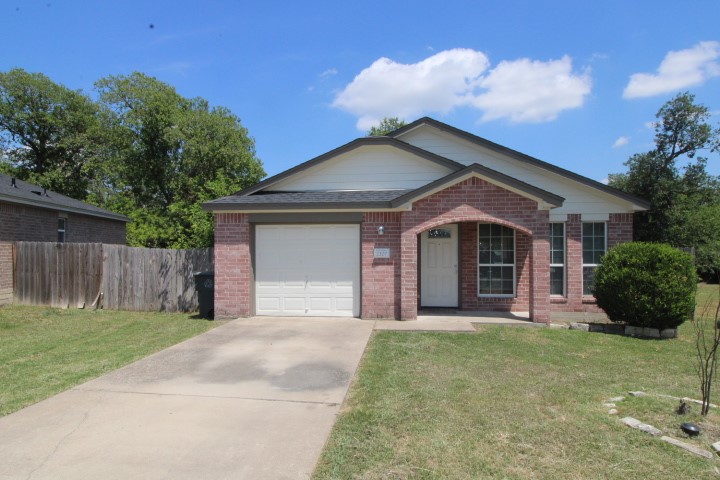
<point x="329" y="72"/>
<point x="532" y="91"/>
<point x="605" y="181"/>
<point x="679" y="69"/>
<point x="621" y="141"/>
<point x="521" y="90"/>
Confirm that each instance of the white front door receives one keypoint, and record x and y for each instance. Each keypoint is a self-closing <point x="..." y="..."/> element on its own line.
<point x="439" y="267"/>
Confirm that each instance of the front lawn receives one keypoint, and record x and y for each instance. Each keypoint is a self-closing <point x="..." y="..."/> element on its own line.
<point x="516" y="403"/>
<point x="44" y="351"/>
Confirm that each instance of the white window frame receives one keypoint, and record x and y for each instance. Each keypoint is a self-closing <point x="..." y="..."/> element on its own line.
<point x="582" y="251"/>
<point x="62" y="230"/>
<point x="564" y="264"/>
<point x="479" y="265"/>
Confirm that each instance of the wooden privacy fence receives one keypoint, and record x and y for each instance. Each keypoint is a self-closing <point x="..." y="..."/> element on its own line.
<point x="113" y="276"/>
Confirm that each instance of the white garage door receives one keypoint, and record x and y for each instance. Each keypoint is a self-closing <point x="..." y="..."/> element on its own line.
<point x="311" y="270"/>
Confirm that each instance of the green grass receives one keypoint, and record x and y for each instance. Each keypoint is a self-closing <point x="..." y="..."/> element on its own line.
<point x="519" y="403"/>
<point x="44" y="351"/>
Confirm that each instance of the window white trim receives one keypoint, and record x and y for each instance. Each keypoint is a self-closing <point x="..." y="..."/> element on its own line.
<point x="481" y="265"/>
<point x="582" y="249"/>
<point x="564" y="258"/>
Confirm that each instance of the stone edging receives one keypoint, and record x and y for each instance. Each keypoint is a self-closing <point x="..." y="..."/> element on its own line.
<point x="627" y="330"/>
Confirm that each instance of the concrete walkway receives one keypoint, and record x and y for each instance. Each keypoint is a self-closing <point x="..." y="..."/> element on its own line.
<point x="252" y="399"/>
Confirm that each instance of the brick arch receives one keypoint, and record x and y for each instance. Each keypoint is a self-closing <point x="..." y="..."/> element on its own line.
<point x="425" y="226"/>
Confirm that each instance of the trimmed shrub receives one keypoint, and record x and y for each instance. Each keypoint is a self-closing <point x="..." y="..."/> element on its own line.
<point x="646" y="285"/>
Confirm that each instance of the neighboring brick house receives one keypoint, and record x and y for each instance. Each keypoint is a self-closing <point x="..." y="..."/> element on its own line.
<point x="30" y="213"/>
<point x="428" y="216"/>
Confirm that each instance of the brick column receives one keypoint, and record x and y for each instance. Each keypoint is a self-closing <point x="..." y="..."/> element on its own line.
<point x="540" y="278"/>
<point x="232" y="265"/>
<point x="408" y="275"/>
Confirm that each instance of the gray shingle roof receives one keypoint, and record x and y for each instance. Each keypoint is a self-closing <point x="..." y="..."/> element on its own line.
<point x="25" y="193"/>
<point x="300" y="200"/>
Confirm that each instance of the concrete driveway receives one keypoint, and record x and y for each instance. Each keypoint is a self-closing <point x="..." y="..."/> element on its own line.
<point x="255" y="398"/>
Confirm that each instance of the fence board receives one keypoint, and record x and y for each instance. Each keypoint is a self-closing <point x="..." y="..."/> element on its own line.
<point x="129" y="278"/>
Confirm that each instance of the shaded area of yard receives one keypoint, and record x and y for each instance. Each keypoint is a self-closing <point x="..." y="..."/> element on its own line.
<point x="515" y="403"/>
<point x="44" y="351"/>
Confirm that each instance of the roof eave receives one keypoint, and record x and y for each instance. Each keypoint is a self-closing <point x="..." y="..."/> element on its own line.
<point x="63" y="208"/>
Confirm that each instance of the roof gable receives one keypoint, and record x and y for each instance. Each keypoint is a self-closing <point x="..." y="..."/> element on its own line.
<point x="529" y="163"/>
<point x="285" y="180"/>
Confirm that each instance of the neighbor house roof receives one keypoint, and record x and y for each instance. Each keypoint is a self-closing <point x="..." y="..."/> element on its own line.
<point x="23" y="193"/>
<point x="518" y="156"/>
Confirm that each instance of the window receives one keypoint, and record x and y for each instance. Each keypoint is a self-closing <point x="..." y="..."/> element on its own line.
<point x="496" y="260"/>
<point x="62" y="225"/>
<point x="439" y="233"/>
<point x="557" y="259"/>
<point x="593" y="241"/>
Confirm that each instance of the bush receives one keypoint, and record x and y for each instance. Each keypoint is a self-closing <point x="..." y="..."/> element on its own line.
<point x="646" y="285"/>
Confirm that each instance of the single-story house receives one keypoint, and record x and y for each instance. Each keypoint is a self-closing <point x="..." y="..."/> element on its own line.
<point x="33" y="214"/>
<point x="427" y="216"/>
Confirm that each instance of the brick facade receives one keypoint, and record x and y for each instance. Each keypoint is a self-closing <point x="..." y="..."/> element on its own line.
<point x="475" y="200"/>
<point x="233" y="275"/>
<point x="390" y="286"/>
<point x="29" y="224"/>
<point x="6" y="273"/>
<point x="619" y="230"/>
<point x="380" y="276"/>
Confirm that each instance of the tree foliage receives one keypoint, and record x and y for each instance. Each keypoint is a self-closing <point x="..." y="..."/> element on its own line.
<point x="386" y="125"/>
<point x="48" y="133"/>
<point x="141" y="149"/>
<point x="673" y="178"/>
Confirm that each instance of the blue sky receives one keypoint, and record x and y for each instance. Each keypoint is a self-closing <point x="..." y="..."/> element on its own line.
<point x="574" y="83"/>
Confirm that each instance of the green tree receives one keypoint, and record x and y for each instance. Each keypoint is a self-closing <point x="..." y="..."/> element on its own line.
<point x="48" y="133"/>
<point x="387" y="125"/>
<point x="166" y="154"/>
<point x="673" y="178"/>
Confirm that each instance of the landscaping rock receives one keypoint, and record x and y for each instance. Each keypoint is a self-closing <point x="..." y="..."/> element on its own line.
<point x="609" y="405"/>
<point x="668" y="333"/>
<point x="638" y="394"/>
<point x="651" y="332"/>
<point x="687" y="446"/>
<point x="630" y="330"/>
<point x="616" y="399"/>
<point x="580" y="326"/>
<point x="613" y="411"/>
<point x="558" y="325"/>
<point x="716" y="447"/>
<point x="644" y="427"/>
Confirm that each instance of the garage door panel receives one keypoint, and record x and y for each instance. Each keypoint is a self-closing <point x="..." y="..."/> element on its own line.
<point x="308" y="270"/>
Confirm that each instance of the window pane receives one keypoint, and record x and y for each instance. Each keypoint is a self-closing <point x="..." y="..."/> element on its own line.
<point x="557" y="275"/>
<point x="508" y="256"/>
<point x="588" y="279"/>
<point x="484" y="230"/>
<point x="587" y="230"/>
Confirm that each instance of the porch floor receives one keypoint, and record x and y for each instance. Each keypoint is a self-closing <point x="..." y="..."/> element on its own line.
<point x="450" y="320"/>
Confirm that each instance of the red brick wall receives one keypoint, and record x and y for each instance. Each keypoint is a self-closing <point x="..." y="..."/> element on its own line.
<point x="233" y="276"/>
<point x="469" y="270"/>
<point x="28" y="224"/>
<point x="619" y="230"/>
<point x="6" y="278"/>
<point x="380" y="276"/>
<point x="475" y="200"/>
